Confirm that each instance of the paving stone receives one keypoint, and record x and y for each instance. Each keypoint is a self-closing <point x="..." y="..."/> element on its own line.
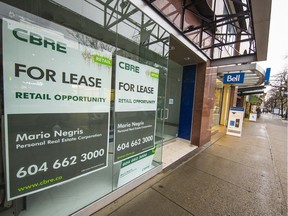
<point x="204" y="194"/>
<point x="248" y="178"/>
<point x="150" y="203"/>
<point x="248" y="159"/>
<point x="247" y="148"/>
<point x="258" y="141"/>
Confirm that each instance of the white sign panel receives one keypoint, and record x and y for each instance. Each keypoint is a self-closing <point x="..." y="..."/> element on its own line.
<point x="252" y="117"/>
<point x="52" y="74"/>
<point x="235" y="121"/>
<point x="56" y="106"/>
<point x="136" y="86"/>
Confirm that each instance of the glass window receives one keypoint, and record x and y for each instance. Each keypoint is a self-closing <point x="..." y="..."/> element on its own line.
<point x="217" y="103"/>
<point x="91" y="34"/>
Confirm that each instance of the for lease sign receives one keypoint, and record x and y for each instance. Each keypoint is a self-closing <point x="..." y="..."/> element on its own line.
<point x="56" y="106"/>
<point x="136" y="92"/>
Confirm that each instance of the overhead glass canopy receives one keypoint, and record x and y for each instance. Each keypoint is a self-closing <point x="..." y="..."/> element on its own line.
<point x="254" y="74"/>
<point x="226" y="31"/>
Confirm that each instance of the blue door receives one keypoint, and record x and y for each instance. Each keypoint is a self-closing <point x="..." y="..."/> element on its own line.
<point x="187" y="100"/>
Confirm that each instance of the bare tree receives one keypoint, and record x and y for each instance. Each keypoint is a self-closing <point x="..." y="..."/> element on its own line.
<point x="278" y="92"/>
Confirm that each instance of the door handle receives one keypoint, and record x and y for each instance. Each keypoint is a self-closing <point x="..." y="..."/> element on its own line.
<point x="167" y="113"/>
<point x="161" y="114"/>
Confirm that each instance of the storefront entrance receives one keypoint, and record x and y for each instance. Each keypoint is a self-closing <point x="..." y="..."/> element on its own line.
<point x="179" y="101"/>
<point x="173" y="101"/>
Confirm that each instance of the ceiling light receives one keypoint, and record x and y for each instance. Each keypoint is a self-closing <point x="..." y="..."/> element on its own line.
<point x="172" y="48"/>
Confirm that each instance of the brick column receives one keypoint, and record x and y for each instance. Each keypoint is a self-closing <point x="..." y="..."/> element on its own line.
<point x="203" y="104"/>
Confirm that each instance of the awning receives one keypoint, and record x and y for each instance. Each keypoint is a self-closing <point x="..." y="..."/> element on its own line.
<point x="255" y="100"/>
<point x="254" y="75"/>
<point x="251" y="90"/>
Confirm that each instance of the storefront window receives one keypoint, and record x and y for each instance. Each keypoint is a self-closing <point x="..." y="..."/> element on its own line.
<point x="217" y="103"/>
<point x="84" y="84"/>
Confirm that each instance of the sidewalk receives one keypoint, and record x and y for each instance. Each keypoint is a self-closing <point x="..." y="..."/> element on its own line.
<point x="234" y="176"/>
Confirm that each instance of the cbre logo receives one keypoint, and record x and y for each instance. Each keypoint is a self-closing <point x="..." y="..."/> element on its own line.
<point x="235" y="78"/>
<point x="38" y="40"/>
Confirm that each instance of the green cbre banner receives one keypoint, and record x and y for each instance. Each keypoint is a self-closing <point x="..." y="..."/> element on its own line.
<point x="56" y="107"/>
<point x="135" y="166"/>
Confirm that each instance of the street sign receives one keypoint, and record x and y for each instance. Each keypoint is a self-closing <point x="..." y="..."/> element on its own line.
<point x="267" y="76"/>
